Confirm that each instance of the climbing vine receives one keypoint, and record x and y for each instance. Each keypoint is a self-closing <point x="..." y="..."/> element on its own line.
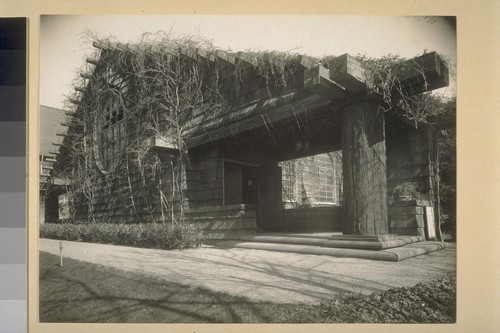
<point x="157" y="92"/>
<point x="421" y="108"/>
<point x="165" y="87"/>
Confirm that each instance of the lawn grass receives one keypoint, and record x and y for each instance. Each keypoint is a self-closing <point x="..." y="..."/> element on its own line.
<point x="84" y="292"/>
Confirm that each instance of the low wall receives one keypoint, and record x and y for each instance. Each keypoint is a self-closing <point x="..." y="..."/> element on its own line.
<point x="409" y="218"/>
<point x="224" y="222"/>
<point x="312" y="219"/>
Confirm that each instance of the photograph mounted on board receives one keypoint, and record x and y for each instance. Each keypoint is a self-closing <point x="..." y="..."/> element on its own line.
<point x="247" y="169"/>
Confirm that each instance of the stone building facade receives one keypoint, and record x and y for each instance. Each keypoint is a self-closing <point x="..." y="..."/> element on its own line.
<point x="161" y="133"/>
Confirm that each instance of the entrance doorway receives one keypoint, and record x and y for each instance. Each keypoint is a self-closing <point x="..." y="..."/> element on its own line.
<point x="241" y="183"/>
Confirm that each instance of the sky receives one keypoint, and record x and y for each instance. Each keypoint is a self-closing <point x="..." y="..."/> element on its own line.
<point x="64" y="45"/>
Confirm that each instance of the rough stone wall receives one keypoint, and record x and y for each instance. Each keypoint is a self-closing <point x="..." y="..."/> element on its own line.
<point x="113" y="201"/>
<point x="204" y="178"/>
<point x="317" y="219"/>
<point x="224" y="222"/>
<point x="410" y="158"/>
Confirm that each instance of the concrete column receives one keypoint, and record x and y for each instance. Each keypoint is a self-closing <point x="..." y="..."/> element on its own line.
<point x="52" y="208"/>
<point x="364" y="168"/>
<point x="270" y="205"/>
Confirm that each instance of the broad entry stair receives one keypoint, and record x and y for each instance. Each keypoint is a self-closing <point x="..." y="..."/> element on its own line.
<point x="385" y="248"/>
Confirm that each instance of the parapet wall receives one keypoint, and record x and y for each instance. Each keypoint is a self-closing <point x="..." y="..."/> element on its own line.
<point x="312" y="219"/>
<point x="224" y="222"/>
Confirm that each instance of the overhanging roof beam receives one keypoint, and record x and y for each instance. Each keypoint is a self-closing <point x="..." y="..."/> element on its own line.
<point x="420" y="74"/>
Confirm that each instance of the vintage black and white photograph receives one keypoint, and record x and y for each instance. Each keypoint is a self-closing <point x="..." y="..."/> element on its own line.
<point x="247" y="169"/>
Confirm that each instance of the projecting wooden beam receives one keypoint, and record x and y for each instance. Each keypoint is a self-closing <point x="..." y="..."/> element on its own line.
<point x="188" y="52"/>
<point x="317" y="80"/>
<point x="227" y="57"/>
<point x="74" y="101"/>
<point x="80" y="89"/>
<point x="164" y="144"/>
<point x="421" y="74"/>
<point x="60" y="181"/>
<point x="349" y="73"/>
<point x="86" y="76"/>
<point x="92" y="61"/>
<point x="70" y="113"/>
<point x="204" y="54"/>
<point x="100" y="45"/>
<point x="121" y="46"/>
<point x="306" y="61"/>
<point x="61" y="134"/>
<point x="246" y="58"/>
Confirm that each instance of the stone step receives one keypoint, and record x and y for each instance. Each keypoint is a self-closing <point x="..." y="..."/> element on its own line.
<point x="392" y="254"/>
<point x="338" y="241"/>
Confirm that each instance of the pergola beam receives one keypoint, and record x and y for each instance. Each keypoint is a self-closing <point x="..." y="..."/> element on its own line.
<point x="420" y="74"/>
<point x="260" y="115"/>
<point x="349" y="72"/>
<point x="317" y="80"/>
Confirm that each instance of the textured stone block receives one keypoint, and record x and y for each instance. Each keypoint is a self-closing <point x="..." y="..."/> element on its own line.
<point x="407" y="210"/>
<point x="407" y="221"/>
<point x="409" y="231"/>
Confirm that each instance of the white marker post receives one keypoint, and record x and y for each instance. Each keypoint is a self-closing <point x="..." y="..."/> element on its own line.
<point x="60" y="252"/>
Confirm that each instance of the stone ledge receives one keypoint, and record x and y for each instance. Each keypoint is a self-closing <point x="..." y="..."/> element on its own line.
<point x="349" y="242"/>
<point x="220" y="208"/>
<point x="394" y="255"/>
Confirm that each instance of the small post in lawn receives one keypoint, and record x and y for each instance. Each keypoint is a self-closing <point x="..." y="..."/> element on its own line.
<point x="60" y="253"/>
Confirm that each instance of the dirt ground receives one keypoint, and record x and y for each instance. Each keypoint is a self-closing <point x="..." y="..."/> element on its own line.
<point x="263" y="275"/>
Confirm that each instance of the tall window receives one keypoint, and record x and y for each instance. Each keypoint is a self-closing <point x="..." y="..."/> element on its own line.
<point x="313" y="180"/>
<point x="288" y="181"/>
<point x="112" y="134"/>
<point x="111" y="120"/>
<point x="324" y="179"/>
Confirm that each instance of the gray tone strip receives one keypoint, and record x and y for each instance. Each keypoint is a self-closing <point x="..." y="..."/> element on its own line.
<point x="12" y="246"/>
<point x="13" y="33"/>
<point x="12" y="174"/>
<point x="13" y="316"/>
<point x="13" y="102"/>
<point x="12" y="210"/>
<point x="13" y="282"/>
<point x="13" y="69"/>
<point x="12" y="138"/>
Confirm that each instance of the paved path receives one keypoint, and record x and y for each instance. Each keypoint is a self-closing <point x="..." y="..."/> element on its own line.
<point x="262" y="275"/>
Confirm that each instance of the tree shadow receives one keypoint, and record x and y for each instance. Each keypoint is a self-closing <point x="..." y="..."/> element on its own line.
<point x="305" y="280"/>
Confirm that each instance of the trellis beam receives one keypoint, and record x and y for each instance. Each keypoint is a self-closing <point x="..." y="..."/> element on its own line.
<point x="420" y="74"/>
<point x="317" y="80"/>
<point x="92" y="61"/>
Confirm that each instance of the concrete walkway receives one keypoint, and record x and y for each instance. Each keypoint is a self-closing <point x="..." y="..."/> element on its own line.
<point x="262" y="275"/>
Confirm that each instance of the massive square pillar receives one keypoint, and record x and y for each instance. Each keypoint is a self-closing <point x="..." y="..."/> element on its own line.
<point x="270" y="210"/>
<point x="364" y="168"/>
